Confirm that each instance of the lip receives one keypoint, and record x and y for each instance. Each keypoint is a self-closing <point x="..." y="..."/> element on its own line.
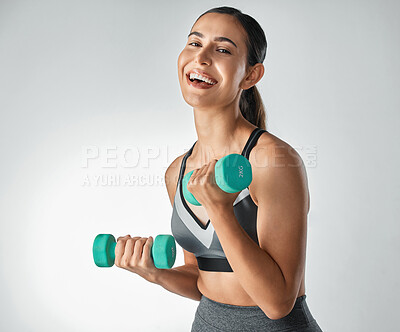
<point x="203" y="73"/>
<point x="197" y="85"/>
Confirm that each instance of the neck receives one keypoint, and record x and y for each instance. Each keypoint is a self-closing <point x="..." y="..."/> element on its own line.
<point x="220" y="131"/>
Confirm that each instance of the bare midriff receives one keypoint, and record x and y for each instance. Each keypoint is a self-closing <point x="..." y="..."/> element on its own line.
<point x="225" y="287"/>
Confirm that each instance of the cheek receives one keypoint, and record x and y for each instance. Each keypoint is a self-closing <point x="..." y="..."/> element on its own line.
<point x="179" y="62"/>
<point x="182" y="61"/>
<point x="233" y="75"/>
<point x="237" y="75"/>
<point x="180" y="67"/>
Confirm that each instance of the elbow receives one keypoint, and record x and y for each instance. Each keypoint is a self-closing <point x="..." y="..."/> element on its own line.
<point x="276" y="311"/>
<point x="281" y="306"/>
<point x="278" y="314"/>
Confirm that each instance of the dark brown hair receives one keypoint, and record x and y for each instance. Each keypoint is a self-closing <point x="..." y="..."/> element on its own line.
<point x="250" y="102"/>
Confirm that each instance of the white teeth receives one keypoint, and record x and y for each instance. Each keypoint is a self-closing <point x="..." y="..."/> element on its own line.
<point x="199" y="77"/>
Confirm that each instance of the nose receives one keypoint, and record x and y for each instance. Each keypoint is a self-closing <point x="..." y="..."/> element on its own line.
<point x="203" y="57"/>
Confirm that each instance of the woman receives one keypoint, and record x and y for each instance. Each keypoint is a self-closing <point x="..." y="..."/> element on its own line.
<point x="244" y="252"/>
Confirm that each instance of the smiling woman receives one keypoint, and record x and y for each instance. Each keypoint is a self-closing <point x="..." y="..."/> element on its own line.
<point x="244" y="252"/>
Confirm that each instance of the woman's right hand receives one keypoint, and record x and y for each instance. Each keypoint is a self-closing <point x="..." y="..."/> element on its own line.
<point x="134" y="255"/>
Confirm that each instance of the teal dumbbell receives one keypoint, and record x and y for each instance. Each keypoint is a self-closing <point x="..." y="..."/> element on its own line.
<point x="232" y="174"/>
<point x="163" y="251"/>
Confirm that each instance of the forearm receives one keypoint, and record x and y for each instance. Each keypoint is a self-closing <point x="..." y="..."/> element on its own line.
<point x="181" y="280"/>
<point x="255" y="269"/>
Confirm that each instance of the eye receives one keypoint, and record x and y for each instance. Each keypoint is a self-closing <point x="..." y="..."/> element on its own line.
<point x="225" y="51"/>
<point x="221" y="49"/>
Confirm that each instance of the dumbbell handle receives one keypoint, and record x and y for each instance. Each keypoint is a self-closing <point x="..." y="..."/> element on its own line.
<point x="111" y="251"/>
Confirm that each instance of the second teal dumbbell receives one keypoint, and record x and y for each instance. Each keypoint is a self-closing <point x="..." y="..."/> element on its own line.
<point x="232" y="174"/>
<point x="163" y="251"/>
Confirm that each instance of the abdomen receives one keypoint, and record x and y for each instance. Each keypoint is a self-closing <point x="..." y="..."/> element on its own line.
<point x="223" y="287"/>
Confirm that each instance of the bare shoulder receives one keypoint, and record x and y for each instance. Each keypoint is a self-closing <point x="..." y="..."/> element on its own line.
<point x="172" y="175"/>
<point x="273" y="157"/>
<point x="270" y="150"/>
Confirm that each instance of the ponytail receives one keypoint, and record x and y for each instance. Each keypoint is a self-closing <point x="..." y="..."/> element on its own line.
<point x="252" y="107"/>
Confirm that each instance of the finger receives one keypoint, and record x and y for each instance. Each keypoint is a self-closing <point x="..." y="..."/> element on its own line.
<point x="211" y="169"/>
<point x="137" y="255"/>
<point x="194" y="174"/>
<point x="211" y="164"/>
<point x="201" y="171"/>
<point x="213" y="161"/>
<point x="147" y="249"/>
<point x="204" y="169"/>
<point x="119" y="250"/>
<point x="203" y="175"/>
<point x="124" y="237"/>
<point x="128" y="252"/>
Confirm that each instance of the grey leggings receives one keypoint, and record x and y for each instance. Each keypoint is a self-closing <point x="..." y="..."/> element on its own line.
<point x="212" y="316"/>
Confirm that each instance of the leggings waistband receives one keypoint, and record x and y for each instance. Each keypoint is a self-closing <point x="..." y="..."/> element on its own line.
<point x="216" y="316"/>
<point x="233" y="306"/>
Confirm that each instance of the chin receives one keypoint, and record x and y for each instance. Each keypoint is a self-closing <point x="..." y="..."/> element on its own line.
<point x="197" y="101"/>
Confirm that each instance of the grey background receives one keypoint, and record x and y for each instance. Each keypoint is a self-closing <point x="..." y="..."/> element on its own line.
<point x="101" y="77"/>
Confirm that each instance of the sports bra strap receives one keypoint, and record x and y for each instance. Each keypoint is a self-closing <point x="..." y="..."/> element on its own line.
<point x="252" y="141"/>
<point x="183" y="164"/>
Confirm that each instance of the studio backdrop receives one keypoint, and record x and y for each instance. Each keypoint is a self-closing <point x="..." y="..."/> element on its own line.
<point x="91" y="116"/>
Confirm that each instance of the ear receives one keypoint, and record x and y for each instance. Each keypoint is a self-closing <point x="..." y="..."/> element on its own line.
<point x="255" y="73"/>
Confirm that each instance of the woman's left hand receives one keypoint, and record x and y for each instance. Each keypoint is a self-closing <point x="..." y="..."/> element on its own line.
<point x="204" y="188"/>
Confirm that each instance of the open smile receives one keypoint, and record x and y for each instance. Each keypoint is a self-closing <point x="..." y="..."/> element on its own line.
<point x="199" y="81"/>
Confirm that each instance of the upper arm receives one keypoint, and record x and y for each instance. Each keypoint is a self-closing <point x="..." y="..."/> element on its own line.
<point x="171" y="178"/>
<point x="281" y="191"/>
<point x="190" y="258"/>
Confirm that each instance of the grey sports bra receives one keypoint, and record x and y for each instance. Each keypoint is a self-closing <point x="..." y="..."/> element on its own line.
<point x="202" y="240"/>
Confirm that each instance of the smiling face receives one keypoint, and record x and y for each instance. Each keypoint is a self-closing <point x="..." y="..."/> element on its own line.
<point x="216" y="51"/>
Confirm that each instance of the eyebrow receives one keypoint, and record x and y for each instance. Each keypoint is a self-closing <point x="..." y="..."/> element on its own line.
<point x="219" y="39"/>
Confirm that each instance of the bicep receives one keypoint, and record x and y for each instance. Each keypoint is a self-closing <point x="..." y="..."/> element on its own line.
<point x="282" y="196"/>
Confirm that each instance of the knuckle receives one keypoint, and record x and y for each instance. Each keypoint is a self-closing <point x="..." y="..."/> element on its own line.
<point x="141" y="241"/>
<point x="126" y="261"/>
<point x="123" y="237"/>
